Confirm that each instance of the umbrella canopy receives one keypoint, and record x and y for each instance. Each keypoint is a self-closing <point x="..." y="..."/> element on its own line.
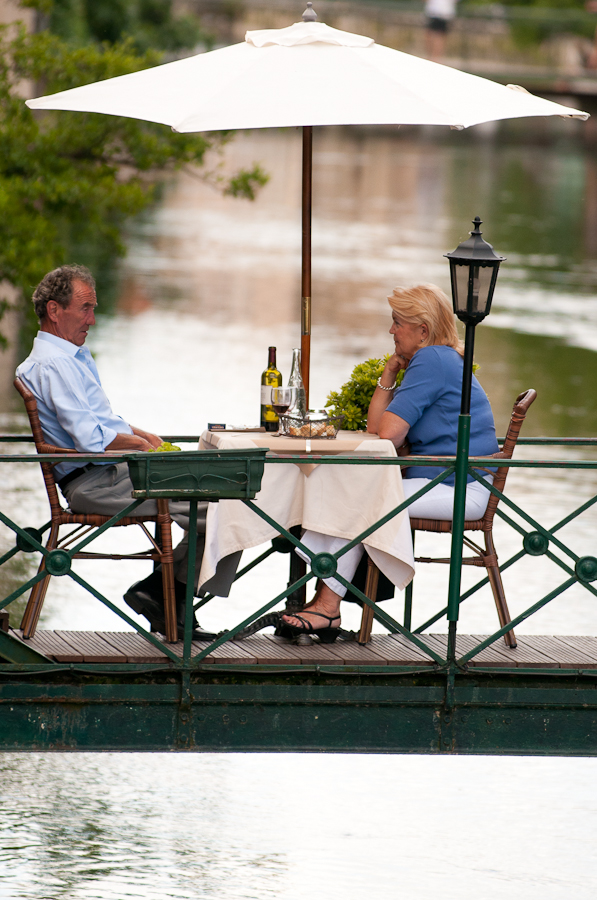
<point x="307" y="74"/>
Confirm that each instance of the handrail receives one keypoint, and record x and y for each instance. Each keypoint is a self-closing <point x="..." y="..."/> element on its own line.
<point x="576" y="570"/>
<point x="480" y="462"/>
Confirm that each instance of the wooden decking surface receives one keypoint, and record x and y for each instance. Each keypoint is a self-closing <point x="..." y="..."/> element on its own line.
<point x="533" y="651"/>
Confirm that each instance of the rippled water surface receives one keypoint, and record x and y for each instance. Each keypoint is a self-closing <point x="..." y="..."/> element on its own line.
<point x="109" y="827"/>
<point x="208" y="284"/>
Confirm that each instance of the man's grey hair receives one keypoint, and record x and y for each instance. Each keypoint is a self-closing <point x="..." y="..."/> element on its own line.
<point x="58" y="285"/>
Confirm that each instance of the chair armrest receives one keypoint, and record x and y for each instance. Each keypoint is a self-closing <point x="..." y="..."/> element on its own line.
<point x="50" y="448"/>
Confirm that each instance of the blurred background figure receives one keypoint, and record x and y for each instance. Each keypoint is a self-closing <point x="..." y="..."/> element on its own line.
<point x="439" y="14"/>
<point x="591" y="62"/>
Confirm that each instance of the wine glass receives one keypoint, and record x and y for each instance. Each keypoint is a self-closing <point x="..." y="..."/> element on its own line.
<point x="282" y="399"/>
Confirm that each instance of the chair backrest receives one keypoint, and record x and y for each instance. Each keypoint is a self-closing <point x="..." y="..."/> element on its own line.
<point x="519" y="411"/>
<point x="42" y="446"/>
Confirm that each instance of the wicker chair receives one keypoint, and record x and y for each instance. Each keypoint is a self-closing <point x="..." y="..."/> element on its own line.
<point x="161" y="546"/>
<point x="484" y="557"/>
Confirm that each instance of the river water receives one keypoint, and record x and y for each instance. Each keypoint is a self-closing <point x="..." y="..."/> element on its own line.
<point x="208" y="284"/>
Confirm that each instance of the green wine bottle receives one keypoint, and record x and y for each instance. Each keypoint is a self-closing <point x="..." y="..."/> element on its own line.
<point x="270" y="378"/>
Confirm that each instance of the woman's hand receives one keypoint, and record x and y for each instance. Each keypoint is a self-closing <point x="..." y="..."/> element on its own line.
<point x="382" y="397"/>
<point x="383" y="392"/>
<point x="395" y="363"/>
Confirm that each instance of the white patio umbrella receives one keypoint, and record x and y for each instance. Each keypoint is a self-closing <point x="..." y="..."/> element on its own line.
<point x="307" y="74"/>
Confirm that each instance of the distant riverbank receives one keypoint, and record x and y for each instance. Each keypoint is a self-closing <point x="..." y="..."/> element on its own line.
<point x="483" y="38"/>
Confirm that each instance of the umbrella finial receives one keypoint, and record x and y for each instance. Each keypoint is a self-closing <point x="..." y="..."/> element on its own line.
<point x="309" y="14"/>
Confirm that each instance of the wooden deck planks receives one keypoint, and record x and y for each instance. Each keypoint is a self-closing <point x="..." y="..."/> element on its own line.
<point x="533" y="651"/>
<point x="399" y="651"/>
<point x="231" y="654"/>
<point x="583" y="642"/>
<point x="272" y="651"/>
<point x="93" y="647"/>
<point x="52" y="645"/>
<point x="349" y="653"/>
<point x="524" y="656"/>
<point x="134" y="646"/>
<point x="565" y="655"/>
<point x="315" y="654"/>
<point x="494" y="656"/>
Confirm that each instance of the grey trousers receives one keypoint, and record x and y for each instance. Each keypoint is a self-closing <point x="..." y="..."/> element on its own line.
<point x="106" y="490"/>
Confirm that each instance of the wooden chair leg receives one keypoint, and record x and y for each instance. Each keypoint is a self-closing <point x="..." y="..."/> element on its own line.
<point x="371" y="592"/>
<point x="38" y="591"/>
<point x="165" y="528"/>
<point x="499" y="595"/>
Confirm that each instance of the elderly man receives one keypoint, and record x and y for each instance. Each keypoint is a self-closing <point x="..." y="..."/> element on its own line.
<point x="75" y="412"/>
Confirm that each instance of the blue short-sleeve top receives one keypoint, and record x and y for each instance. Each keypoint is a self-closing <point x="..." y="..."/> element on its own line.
<point x="429" y="400"/>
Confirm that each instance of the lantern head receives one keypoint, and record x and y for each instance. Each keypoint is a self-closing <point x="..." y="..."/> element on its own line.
<point x="474" y="269"/>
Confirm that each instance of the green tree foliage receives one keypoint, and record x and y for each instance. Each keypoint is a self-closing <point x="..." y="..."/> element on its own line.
<point x="71" y="180"/>
<point x="147" y="23"/>
<point x="534" y="21"/>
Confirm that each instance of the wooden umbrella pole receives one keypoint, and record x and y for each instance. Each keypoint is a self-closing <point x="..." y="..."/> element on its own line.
<point x="306" y="257"/>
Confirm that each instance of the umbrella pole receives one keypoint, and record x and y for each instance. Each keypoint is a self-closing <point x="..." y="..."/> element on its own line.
<point x="306" y="257"/>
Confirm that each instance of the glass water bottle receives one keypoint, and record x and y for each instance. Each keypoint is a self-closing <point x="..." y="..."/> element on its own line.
<point x="296" y="381"/>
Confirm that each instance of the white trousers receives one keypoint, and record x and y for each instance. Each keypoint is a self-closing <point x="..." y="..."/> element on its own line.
<point x="438" y="503"/>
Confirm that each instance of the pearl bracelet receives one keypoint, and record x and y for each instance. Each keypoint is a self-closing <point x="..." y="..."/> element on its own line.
<point x="380" y="385"/>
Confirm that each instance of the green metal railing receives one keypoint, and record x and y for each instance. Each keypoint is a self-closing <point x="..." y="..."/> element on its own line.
<point x="537" y="540"/>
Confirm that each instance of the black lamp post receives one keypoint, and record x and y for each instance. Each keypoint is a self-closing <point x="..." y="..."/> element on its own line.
<point x="473" y="271"/>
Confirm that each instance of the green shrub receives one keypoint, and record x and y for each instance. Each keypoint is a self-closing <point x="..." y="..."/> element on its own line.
<point x="353" y="399"/>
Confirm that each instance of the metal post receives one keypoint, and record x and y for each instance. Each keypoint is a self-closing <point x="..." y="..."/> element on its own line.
<point x="189" y="611"/>
<point x="306" y="257"/>
<point x="298" y="569"/>
<point x="408" y="596"/>
<point x="460" y="479"/>
<point x="467" y="369"/>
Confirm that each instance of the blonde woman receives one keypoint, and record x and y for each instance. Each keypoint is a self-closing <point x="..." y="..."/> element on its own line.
<point x="424" y="410"/>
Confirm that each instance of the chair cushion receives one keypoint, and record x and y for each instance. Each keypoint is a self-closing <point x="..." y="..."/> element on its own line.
<point x="443" y="526"/>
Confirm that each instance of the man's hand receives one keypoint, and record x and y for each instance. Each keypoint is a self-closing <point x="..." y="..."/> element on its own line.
<point x="129" y="442"/>
<point x="152" y="439"/>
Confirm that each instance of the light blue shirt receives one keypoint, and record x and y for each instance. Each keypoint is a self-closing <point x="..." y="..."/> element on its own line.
<point x="73" y="409"/>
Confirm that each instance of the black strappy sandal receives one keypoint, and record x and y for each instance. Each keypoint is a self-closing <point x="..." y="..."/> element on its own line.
<point x="326" y="635"/>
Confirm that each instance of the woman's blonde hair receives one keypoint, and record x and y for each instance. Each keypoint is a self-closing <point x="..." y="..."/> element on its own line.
<point x="426" y="304"/>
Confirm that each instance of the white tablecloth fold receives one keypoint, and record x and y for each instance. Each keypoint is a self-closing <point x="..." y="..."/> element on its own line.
<point x="340" y="500"/>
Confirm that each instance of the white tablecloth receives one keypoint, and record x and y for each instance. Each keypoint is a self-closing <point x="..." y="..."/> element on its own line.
<point x="338" y="500"/>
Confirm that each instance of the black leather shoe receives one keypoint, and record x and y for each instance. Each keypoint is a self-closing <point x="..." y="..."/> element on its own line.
<point x="144" y="603"/>
<point x="142" y="597"/>
<point x="196" y="635"/>
<point x="199" y="634"/>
